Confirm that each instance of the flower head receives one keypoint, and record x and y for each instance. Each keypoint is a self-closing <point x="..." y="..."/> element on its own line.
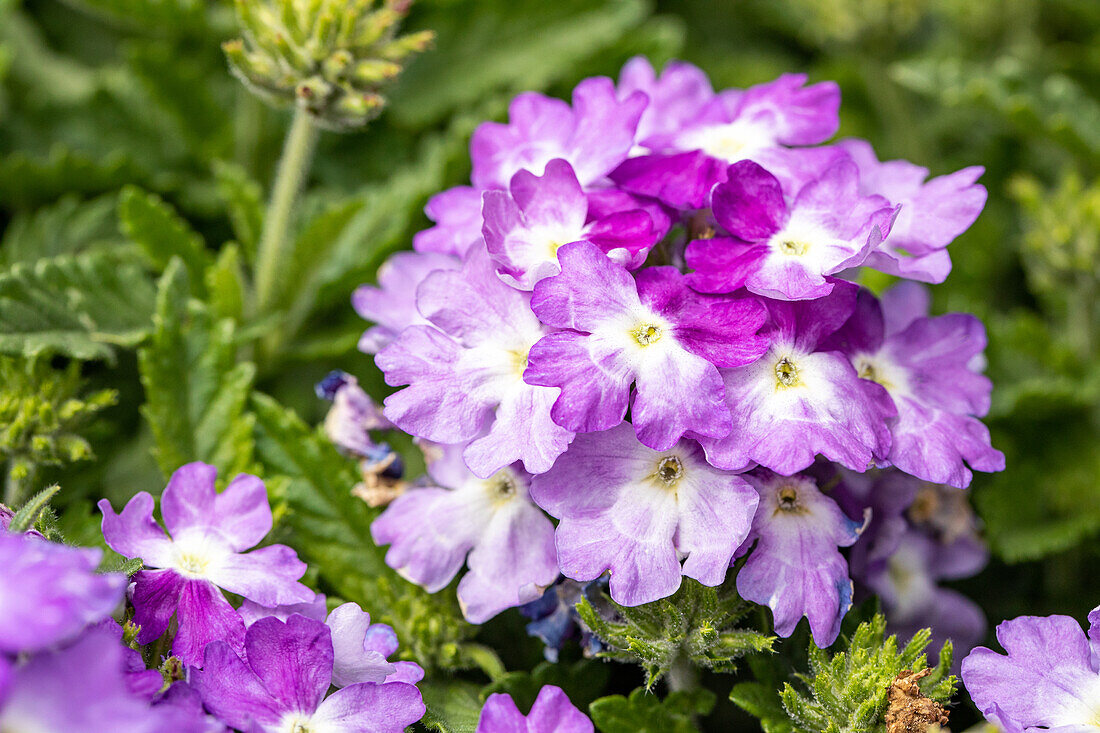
<point x="280" y="683"/>
<point x="205" y="552"/>
<point x="649" y="517"/>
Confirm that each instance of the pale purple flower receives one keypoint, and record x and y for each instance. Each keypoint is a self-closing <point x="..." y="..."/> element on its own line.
<point x="525" y="227"/>
<point x="281" y="681"/>
<point x="926" y="368"/>
<point x="457" y="216"/>
<point x="654" y="333"/>
<point x="785" y="241"/>
<point x="594" y="135"/>
<point x="82" y="687"/>
<point x="391" y="305"/>
<point x="551" y="713"/>
<point x="676" y="97"/>
<point x="489" y="524"/>
<point x="50" y="592"/>
<point x="640" y="513"/>
<point x="1048" y="679"/>
<point x="796" y="568"/>
<point x="352" y="416"/>
<point x="799" y="400"/>
<point x="205" y="552"/>
<point x="933" y="213"/>
<point x="465" y="372"/>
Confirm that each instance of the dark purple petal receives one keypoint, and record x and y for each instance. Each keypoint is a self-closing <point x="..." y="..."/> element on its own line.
<point x="500" y="715"/>
<point x="554" y="713"/>
<point x="156" y="597"/>
<point x="230" y="689"/>
<point x="750" y="204"/>
<point x="293" y="660"/>
<point x="204" y="615"/>
<point x="722" y="264"/>
<point x="680" y="180"/>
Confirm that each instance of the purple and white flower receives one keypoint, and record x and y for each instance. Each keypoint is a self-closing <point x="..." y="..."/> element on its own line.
<point x="489" y="524"/>
<point x="800" y="400"/>
<point x="1048" y="678"/>
<point x="654" y="333"/>
<point x="457" y="216"/>
<point x="391" y="305"/>
<point x="649" y="517"/>
<point x="280" y="682"/>
<point x="49" y="592"/>
<point x="796" y="568"/>
<point x="676" y="97"/>
<point x="594" y="135"/>
<point x="526" y="226"/>
<point x="786" y="241"/>
<point x="205" y="552"/>
<point x="551" y="713"/>
<point x="933" y="213"/>
<point x="926" y="367"/>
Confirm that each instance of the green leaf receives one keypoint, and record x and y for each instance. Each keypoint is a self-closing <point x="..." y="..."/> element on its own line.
<point x="225" y="282"/>
<point x="243" y="199"/>
<point x="26" y="180"/>
<point x="643" y="712"/>
<point x="330" y="528"/>
<point x="68" y="226"/>
<point x="195" y="390"/>
<point x="81" y="305"/>
<point x="28" y="514"/>
<point x="160" y="232"/>
<point x="453" y="706"/>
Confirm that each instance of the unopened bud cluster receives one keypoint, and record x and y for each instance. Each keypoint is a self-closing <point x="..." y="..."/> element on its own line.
<point x="330" y="58"/>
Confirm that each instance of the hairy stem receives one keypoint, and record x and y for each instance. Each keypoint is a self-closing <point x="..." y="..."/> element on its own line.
<point x="682" y="676"/>
<point x="291" y="174"/>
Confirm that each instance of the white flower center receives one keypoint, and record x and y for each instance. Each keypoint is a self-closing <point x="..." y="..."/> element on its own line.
<point x="646" y="333"/>
<point x="731" y="141"/>
<point x="196" y="553"/>
<point x="298" y="723"/>
<point x="786" y="374"/>
<point x="670" y="470"/>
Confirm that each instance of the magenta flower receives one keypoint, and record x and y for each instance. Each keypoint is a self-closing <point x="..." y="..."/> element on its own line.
<point x="551" y="713"/>
<point x="1047" y="680"/>
<point x="391" y="305"/>
<point x="796" y="568"/>
<point x="83" y="688"/>
<point x="280" y="683"/>
<point x="926" y="367"/>
<point x="525" y="228"/>
<point x="465" y="372"/>
<point x="594" y="135"/>
<point x="785" y="241"/>
<point x="933" y="213"/>
<point x="49" y="592"/>
<point x="457" y="216"/>
<point x="638" y="513"/>
<point x="800" y="400"/>
<point x="676" y="97"/>
<point x="654" y="333"/>
<point x="489" y="524"/>
<point x="205" y="553"/>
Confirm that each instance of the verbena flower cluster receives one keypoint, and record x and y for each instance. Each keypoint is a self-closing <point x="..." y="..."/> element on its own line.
<point x="636" y="345"/>
<point x="185" y="659"/>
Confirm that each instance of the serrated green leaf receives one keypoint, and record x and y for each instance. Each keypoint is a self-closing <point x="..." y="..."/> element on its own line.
<point x="243" y="199"/>
<point x="156" y="228"/>
<point x="196" y="392"/>
<point x="225" y="282"/>
<point x="26" y="180"/>
<point x="83" y="305"/>
<point x="644" y="712"/>
<point x="68" y="226"/>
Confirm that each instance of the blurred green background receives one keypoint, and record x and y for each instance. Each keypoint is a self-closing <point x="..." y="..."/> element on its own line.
<point x="100" y="95"/>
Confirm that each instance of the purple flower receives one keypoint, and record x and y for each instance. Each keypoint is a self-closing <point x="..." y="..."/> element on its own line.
<point x="524" y="228"/>
<point x="1047" y="680"/>
<point x="675" y="98"/>
<point x="799" y="400"/>
<point x="360" y="647"/>
<point x="795" y="567"/>
<point x="785" y="241"/>
<point x="353" y="415"/>
<point x="551" y="713"/>
<point x="392" y="304"/>
<point x="926" y="369"/>
<point x="738" y="124"/>
<point x="933" y="213"/>
<point x="508" y="541"/>
<point x="282" y="679"/>
<point x="594" y="135"/>
<point x="457" y="214"/>
<point x="50" y="592"/>
<point x="82" y="688"/>
<point x="465" y="372"/>
<point x="638" y="512"/>
<point x="654" y="333"/>
<point x="205" y="552"/>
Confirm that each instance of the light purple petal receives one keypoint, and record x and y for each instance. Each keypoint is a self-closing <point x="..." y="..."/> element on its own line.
<point x="188" y="500"/>
<point x="204" y="615"/>
<point x="241" y="512"/>
<point x="387" y="708"/>
<point x="457" y="214"/>
<point x="500" y="715"/>
<point x="267" y="575"/>
<point x="293" y="660"/>
<point x="353" y="662"/>
<point x="674" y="98"/>
<point x="133" y="533"/>
<point x="554" y="713"/>
<point x="392" y="303"/>
<point x="251" y="612"/>
<point x="232" y="691"/>
<point x="591" y="292"/>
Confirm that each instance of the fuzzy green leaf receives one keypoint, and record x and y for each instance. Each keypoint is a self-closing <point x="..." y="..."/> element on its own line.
<point x="644" y="712"/>
<point x="453" y="706"/>
<point x="81" y="305"/>
<point x="156" y="228"/>
<point x="196" y="392"/>
<point x="66" y="227"/>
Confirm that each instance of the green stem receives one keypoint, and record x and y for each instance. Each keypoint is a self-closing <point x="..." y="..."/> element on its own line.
<point x="289" y="178"/>
<point x="16" y="489"/>
<point x="682" y="675"/>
